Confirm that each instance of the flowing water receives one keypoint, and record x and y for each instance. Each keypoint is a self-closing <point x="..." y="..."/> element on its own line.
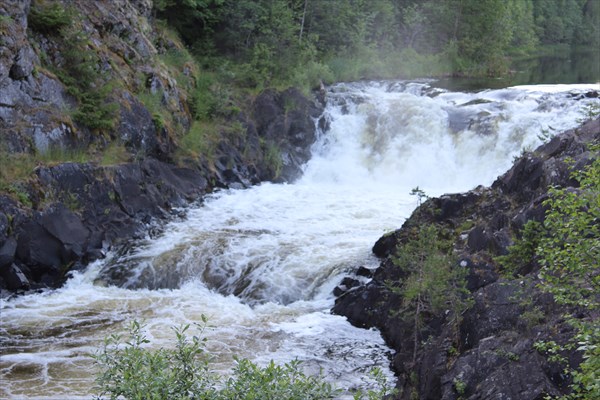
<point x="261" y="263"/>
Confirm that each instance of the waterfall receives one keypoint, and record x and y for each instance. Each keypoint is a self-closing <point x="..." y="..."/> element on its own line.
<point x="262" y="262"/>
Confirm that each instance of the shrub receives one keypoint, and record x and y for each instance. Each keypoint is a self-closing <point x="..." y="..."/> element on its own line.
<point x="431" y="284"/>
<point x="522" y="254"/>
<point x="48" y="18"/>
<point x="568" y="250"/>
<point x="131" y="371"/>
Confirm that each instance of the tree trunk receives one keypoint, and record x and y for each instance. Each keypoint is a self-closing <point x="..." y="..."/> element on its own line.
<point x="302" y="23"/>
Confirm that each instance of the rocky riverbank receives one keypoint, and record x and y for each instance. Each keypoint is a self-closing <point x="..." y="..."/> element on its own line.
<point x="139" y="98"/>
<point x="490" y="354"/>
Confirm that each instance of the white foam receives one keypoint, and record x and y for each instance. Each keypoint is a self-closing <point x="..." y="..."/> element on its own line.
<point x="262" y="263"/>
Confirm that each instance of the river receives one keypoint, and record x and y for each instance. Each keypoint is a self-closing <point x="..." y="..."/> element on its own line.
<point x="261" y="263"/>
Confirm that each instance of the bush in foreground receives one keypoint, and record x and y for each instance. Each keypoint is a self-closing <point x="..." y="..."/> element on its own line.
<point x="128" y="370"/>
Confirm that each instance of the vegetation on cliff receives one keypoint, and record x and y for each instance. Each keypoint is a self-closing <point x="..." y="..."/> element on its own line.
<point x="528" y="249"/>
<point x="566" y="247"/>
<point x="196" y="65"/>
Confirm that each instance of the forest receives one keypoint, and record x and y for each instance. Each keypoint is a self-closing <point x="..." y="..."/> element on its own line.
<point x="278" y="42"/>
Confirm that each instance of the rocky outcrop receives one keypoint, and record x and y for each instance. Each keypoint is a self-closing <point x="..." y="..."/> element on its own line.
<point x="65" y="215"/>
<point x="35" y="103"/>
<point x="80" y="211"/>
<point x="491" y="354"/>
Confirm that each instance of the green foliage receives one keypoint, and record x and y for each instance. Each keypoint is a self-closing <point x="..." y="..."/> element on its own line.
<point x="431" y="284"/>
<point x="114" y="153"/>
<point x="522" y="254"/>
<point x="570" y="255"/>
<point x="206" y="97"/>
<point x="17" y="191"/>
<point x="272" y="156"/>
<point x="48" y="17"/>
<point x="586" y="380"/>
<point x="570" y="252"/>
<point x="273" y="382"/>
<point x="459" y="386"/>
<point x="80" y="72"/>
<point x="589" y="111"/>
<point x="129" y="370"/>
<point x="568" y="248"/>
<point x="5" y="22"/>
<point x="552" y="350"/>
<point x="200" y="140"/>
<point x="420" y="193"/>
<point x="58" y="155"/>
<point x="303" y="42"/>
<point x="15" y="167"/>
<point x="507" y="354"/>
<point x="382" y="391"/>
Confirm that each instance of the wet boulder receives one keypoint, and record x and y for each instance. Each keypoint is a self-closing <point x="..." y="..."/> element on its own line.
<point x="287" y="120"/>
<point x="13" y="278"/>
<point x="346" y="285"/>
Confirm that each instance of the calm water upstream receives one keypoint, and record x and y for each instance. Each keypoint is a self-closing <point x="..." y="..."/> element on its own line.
<point x="261" y="263"/>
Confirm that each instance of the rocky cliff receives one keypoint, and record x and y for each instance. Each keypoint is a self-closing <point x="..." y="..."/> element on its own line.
<point x="85" y="80"/>
<point x="490" y="354"/>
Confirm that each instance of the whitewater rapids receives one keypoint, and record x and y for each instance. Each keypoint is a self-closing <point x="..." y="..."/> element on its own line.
<point x="261" y="263"/>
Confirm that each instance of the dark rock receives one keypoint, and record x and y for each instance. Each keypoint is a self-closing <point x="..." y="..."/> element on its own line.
<point x="139" y="132"/>
<point x="523" y="179"/>
<point x="385" y="245"/>
<point x="67" y="227"/>
<point x="37" y="247"/>
<point x="7" y="252"/>
<point x="3" y="227"/>
<point x="450" y="206"/>
<point x="499" y="368"/>
<point x="481" y="273"/>
<point x="478" y="239"/>
<point x="287" y="120"/>
<point x="491" y="353"/>
<point x="496" y="309"/>
<point x="346" y="284"/>
<point x="23" y="64"/>
<point x="363" y="271"/>
<point x="14" y="278"/>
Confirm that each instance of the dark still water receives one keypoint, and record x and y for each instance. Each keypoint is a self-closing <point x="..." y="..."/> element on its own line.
<point x="559" y="66"/>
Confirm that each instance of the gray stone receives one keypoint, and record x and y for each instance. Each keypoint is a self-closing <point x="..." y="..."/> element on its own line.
<point x="7" y="252"/>
<point x="14" y="278"/>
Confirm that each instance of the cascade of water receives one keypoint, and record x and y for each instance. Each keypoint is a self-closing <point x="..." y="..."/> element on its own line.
<point x="261" y="263"/>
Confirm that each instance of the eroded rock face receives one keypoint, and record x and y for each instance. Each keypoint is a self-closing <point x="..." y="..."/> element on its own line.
<point x="72" y="213"/>
<point x="491" y="355"/>
<point x="87" y="209"/>
<point x="286" y="120"/>
<point x="35" y="104"/>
